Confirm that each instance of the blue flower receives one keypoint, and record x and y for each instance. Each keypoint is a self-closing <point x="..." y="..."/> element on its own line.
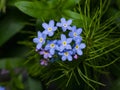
<point x="64" y="24"/>
<point x="64" y="43"/>
<point x="40" y="40"/>
<point x="49" y="28"/>
<point x="66" y="55"/>
<point x="75" y="33"/>
<point x="2" y="88"/>
<point x="78" y="48"/>
<point x="51" y="46"/>
<point x="45" y="54"/>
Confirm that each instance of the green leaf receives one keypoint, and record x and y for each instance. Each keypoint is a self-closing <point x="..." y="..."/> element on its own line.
<point x="12" y="62"/>
<point x="34" y="84"/>
<point x="36" y="9"/>
<point x="69" y="3"/>
<point x="116" y="85"/>
<point x="9" y="26"/>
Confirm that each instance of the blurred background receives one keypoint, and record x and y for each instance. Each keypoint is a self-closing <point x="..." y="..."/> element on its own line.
<point x="19" y="22"/>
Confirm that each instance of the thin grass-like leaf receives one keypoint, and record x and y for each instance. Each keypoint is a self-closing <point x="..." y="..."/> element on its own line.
<point x="103" y="66"/>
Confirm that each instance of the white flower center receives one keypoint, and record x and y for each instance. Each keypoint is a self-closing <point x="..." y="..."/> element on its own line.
<point x="49" y="29"/>
<point x="64" y="43"/>
<point x="75" y="34"/>
<point x="52" y="45"/>
<point x="64" y="25"/>
<point x="41" y="39"/>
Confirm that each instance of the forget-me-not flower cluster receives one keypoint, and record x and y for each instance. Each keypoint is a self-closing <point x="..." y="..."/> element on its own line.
<point x="60" y="40"/>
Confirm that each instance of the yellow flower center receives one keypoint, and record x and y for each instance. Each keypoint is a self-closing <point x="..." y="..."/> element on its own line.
<point x="41" y="39"/>
<point x="52" y="45"/>
<point x="64" y="43"/>
<point x="66" y="53"/>
<point x="76" y="46"/>
<point x="49" y="29"/>
<point x="75" y="34"/>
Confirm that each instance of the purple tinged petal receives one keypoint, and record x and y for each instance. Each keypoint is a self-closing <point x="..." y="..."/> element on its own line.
<point x="45" y="32"/>
<point x="45" y="26"/>
<point x="82" y="45"/>
<point x="36" y="40"/>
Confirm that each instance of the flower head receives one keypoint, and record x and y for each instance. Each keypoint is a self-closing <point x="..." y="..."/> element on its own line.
<point x="66" y="55"/>
<point x="49" y="28"/>
<point x="65" y="43"/>
<point x="45" y="54"/>
<point x="51" y="47"/>
<point x="64" y="24"/>
<point x="44" y="62"/>
<point x="78" y="48"/>
<point x="40" y="40"/>
<point x="75" y="33"/>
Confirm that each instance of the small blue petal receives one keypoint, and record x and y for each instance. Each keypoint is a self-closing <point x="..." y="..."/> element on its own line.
<point x="68" y="47"/>
<point x="69" y="40"/>
<point x="63" y="20"/>
<point x="45" y="26"/>
<point x="69" y="22"/>
<point x="39" y="34"/>
<point x="69" y="58"/>
<point x="51" y="23"/>
<point x="63" y="37"/>
<point x="36" y="40"/>
<point x="82" y="45"/>
<point x="79" y="31"/>
<point x="50" y="33"/>
<point x="79" y="52"/>
<point x="64" y="58"/>
<point x="39" y="45"/>
<point x="59" y="24"/>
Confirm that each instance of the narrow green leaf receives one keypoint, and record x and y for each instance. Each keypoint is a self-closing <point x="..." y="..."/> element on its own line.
<point x="13" y="62"/>
<point x="34" y="84"/>
<point x="9" y="27"/>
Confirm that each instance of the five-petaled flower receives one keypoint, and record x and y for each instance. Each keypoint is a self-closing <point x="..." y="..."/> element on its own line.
<point x="65" y="24"/>
<point x="49" y="28"/>
<point x="45" y="54"/>
<point x="78" y="48"/>
<point x="75" y="33"/>
<point x="65" y="43"/>
<point x="40" y="40"/>
<point x="51" y="47"/>
<point x="66" y="55"/>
